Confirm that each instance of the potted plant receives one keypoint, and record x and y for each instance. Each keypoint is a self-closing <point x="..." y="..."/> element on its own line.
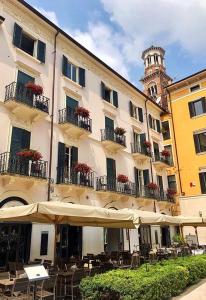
<point x="171" y="193"/>
<point x="30" y="154"/>
<point x="34" y="88"/>
<point x="165" y="153"/>
<point x="152" y="186"/>
<point x="82" y="112"/>
<point x="82" y="168"/>
<point x="122" y="178"/>
<point x="119" y="131"/>
<point x="147" y="145"/>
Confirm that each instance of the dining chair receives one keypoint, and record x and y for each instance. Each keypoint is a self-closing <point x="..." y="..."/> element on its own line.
<point x="72" y="284"/>
<point x="20" y="290"/>
<point x="47" y="288"/>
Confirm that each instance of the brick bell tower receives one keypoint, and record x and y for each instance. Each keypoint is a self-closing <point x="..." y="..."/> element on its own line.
<point x="155" y="77"/>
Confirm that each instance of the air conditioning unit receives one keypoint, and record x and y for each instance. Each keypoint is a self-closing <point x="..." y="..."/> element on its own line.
<point x="1" y="20"/>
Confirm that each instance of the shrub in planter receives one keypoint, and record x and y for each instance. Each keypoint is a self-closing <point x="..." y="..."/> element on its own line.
<point x="82" y="168"/>
<point x="36" y="89"/>
<point x="30" y="154"/>
<point x="122" y="178"/>
<point x="119" y="131"/>
<point x="152" y="186"/>
<point x="81" y="111"/>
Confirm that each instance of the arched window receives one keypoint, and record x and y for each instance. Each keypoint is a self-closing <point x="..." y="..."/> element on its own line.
<point x="12" y="201"/>
<point x="152" y="90"/>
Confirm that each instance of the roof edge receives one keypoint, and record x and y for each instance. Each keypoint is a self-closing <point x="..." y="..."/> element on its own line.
<point x="185" y="78"/>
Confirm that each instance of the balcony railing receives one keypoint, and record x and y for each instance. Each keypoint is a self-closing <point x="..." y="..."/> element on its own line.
<point x="18" y="92"/>
<point x="138" y="148"/>
<point x="104" y="183"/>
<point x="158" y="157"/>
<point x="13" y="164"/>
<point x="108" y="134"/>
<point x="69" y="115"/>
<point x="66" y="175"/>
<point x="158" y="194"/>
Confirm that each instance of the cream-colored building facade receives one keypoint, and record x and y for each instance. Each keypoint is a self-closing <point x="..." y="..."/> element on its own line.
<point x="34" y="49"/>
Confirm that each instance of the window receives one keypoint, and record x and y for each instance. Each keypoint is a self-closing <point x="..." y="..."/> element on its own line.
<point x="194" y="88"/>
<point x="136" y="112"/>
<point x="109" y="95"/>
<point x="154" y="123"/>
<point x="200" y="142"/>
<point x="28" y="44"/>
<point x="149" y="61"/>
<point x="165" y="130"/>
<point x="169" y="149"/>
<point x="202" y="177"/>
<point x="44" y="243"/>
<point x="156" y="59"/>
<point x="197" y="107"/>
<point x="73" y="72"/>
<point x="152" y="90"/>
<point x="172" y="182"/>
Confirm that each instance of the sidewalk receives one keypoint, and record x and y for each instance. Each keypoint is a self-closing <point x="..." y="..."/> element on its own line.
<point x="195" y="292"/>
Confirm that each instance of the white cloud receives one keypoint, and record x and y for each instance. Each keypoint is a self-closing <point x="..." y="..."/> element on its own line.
<point x="51" y="15"/>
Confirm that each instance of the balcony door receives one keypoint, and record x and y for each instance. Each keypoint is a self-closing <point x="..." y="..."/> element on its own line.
<point x="71" y="105"/>
<point x="156" y="151"/>
<point x="161" y="187"/>
<point x="23" y="94"/>
<point x="109" y="128"/>
<point x="20" y="139"/>
<point x="111" y="174"/>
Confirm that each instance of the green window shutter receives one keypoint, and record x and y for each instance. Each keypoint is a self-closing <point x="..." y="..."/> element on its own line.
<point x="109" y="123"/>
<point x="204" y="104"/>
<point x="150" y="121"/>
<point x="41" y="51"/>
<point x="82" y="77"/>
<point x="17" y="35"/>
<point x="197" y="144"/>
<point x="158" y="126"/>
<point x="142" y="138"/>
<point x="20" y="139"/>
<point x="60" y="162"/>
<point x="131" y="109"/>
<point x="111" y="168"/>
<point x="115" y="98"/>
<point x="103" y="90"/>
<point x="136" y="178"/>
<point x="191" y="109"/>
<point x="64" y="66"/>
<point x="72" y="103"/>
<point x="146" y="177"/>
<point x="74" y="156"/>
<point x="140" y="114"/>
<point x="202" y="177"/>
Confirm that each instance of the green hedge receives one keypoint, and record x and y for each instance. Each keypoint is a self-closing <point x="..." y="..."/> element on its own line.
<point x="150" y="282"/>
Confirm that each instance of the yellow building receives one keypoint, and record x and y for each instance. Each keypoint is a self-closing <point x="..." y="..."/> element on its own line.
<point x="187" y="101"/>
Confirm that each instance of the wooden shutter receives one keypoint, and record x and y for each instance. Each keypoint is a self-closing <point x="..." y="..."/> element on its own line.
<point x="131" y="109"/>
<point x="150" y="121"/>
<point x="41" y="51"/>
<point x="17" y="35"/>
<point x="146" y="177"/>
<point x="60" y="162"/>
<point x="82" y="77"/>
<point x="202" y="177"/>
<point x="140" y="114"/>
<point x="158" y="126"/>
<point x="204" y="104"/>
<point x="142" y="138"/>
<point x="115" y="98"/>
<point x="111" y="168"/>
<point x="136" y="178"/>
<point x="197" y="144"/>
<point x="74" y="156"/>
<point x="191" y="109"/>
<point x="109" y="123"/>
<point x="64" y="66"/>
<point x="103" y="90"/>
<point x="20" y="139"/>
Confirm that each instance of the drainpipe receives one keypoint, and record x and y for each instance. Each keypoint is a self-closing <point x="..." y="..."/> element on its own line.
<point x="52" y="117"/>
<point x="175" y="142"/>
<point x="148" y="136"/>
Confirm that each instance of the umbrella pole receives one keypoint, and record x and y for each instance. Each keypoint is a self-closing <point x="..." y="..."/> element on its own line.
<point x="197" y="235"/>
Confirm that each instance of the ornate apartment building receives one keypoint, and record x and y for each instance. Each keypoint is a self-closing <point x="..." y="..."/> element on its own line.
<point x="73" y="130"/>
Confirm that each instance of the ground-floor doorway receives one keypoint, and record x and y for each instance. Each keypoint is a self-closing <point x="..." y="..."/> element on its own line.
<point x="69" y="241"/>
<point x="15" y="242"/>
<point x="165" y="233"/>
<point x="113" y="240"/>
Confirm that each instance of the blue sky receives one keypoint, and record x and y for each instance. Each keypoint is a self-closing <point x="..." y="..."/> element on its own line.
<point x="118" y="31"/>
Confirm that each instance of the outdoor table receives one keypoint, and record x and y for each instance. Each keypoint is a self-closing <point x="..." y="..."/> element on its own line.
<point x="63" y="275"/>
<point x="6" y="284"/>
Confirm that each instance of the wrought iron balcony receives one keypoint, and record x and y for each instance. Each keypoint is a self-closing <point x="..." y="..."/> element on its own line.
<point x="66" y="175"/>
<point x="111" y="140"/>
<point x="161" y="161"/>
<point x="11" y="164"/>
<point x="140" y="151"/>
<point x="73" y="122"/>
<point x="17" y="93"/>
<point x="107" y="184"/>
<point x="158" y="194"/>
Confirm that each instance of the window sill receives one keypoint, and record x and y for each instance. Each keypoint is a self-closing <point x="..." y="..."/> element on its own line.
<point x="109" y="108"/>
<point x="199" y="116"/>
<point x="72" y="82"/>
<point x="136" y="124"/>
<point x="201" y="153"/>
<point x="34" y="59"/>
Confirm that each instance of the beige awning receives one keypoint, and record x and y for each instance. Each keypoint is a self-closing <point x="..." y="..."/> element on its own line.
<point x="66" y="213"/>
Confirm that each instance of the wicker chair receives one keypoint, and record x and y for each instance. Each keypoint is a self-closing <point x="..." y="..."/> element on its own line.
<point x="47" y="288"/>
<point x="72" y="285"/>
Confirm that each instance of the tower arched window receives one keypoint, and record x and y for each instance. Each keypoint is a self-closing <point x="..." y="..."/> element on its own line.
<point x="156" y="60"/>
<point x="149" y="61"/>
<point x="152" y="90"/>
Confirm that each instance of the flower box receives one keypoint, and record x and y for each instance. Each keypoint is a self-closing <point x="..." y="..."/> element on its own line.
<point x="119" y="131"/>
<point x="36" y="89"/>
<point x="152" y="186"/>
<point x="122" y="178"/>
<point x="81" y="111"/>
<point x="30" y="154"/>
<point x="82" y="168"/>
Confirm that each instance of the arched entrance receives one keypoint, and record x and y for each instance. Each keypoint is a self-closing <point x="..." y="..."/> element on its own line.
<point x="15" y="238"/>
